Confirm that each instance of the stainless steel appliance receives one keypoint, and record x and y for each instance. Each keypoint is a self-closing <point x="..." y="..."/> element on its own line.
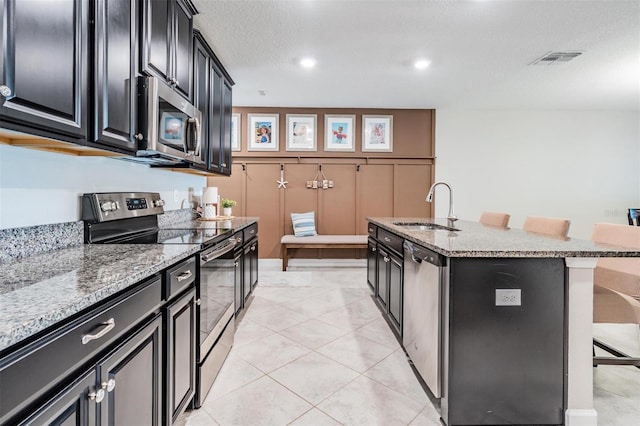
<point x="422" y="329"/>
<point x="169" y="130"/>
<point x="132" y="218"/>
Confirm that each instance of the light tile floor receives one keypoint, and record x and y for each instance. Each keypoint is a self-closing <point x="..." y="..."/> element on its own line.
<point x="313" y="349"/>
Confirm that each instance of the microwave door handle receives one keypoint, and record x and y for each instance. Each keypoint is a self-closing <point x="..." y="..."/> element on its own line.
<point x="198" y="137"/>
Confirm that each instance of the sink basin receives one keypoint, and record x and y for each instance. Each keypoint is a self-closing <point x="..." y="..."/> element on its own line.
<point x="424" y="226"/>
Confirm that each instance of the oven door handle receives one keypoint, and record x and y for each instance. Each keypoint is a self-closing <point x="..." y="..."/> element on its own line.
<point x="217" y="252"/>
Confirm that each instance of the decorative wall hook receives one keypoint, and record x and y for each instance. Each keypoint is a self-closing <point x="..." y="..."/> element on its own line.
<point x="282" y="183"/>
<point x="318" y="183"/>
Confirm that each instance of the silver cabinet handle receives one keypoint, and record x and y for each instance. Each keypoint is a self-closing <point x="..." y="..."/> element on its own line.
<point x="386" y="259"/>
<point x="373" y="249"/>
<point x="185" y="275"/>
<point x="253" y="248"/>
<point x="387" y="239"/>
<point x="198" y="302"/>
<point x="223" y="165"/>
<point x="235" y="264"/>
<point x="253" y="231"/>
<point x="108" y="326"/>
<point x="97" y="396"/>
<point x="5" y="91"/>
<point x="139" y="136"/>
<point x="239" y="239"/>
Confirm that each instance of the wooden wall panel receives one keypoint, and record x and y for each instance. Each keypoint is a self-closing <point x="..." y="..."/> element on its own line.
<point x="231" y="187"/>
<point x="338" y="204"/>
<point x="263" y="200"/>
<point x="297" y="198"/>
<point x="375" y="193"/>
<point x="411" y="187"/>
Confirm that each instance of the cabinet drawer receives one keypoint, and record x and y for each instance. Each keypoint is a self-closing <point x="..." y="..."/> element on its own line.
<point x="390" y="240"/>
<point x="371" y="228"/>
<point x="40" y="366"/>
<point x="250" y="232"/>
<point x="180" y="277"/>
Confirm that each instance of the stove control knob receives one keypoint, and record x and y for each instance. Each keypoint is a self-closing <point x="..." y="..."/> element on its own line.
<point x="108" y="206"/>
<point x="158" y="203"/>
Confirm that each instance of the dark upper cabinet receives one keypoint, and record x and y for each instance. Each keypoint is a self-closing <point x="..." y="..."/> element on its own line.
<point x="201" y="92"/>
<point x="212" y="89"/>
<point x="115" y="64"/>
<point x="44" y="66"/>
<point x="167" y="42"/>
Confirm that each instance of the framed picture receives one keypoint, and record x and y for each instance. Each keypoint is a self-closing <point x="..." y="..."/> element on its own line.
<point x="377" y="133"/>
<point x="301" y="132"/>
<point x="339" y="132"/>
<point x="262" y="132"/>
<point x="235" y="132"/>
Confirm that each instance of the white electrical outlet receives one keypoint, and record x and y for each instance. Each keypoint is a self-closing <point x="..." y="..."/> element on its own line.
<point x="508" y="297"/>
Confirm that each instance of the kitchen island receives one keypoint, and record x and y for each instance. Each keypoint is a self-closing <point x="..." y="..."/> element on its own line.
<point x="524" y="357"/>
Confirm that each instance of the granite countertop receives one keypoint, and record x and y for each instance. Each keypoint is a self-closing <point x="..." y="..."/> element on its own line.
<point x="473" y="239"/>
<point x="40" y="290"/>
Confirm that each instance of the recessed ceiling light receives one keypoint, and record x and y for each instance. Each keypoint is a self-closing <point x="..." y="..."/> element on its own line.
<point x="307" y="62"/>
<point x="421" y="64"/>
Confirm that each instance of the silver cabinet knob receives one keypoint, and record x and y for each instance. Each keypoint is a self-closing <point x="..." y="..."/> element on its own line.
<point x="223" y="165"/>
<point x="97" y="396"/>
<point x="110" y="385"/>
<point x="138" y="136"/>
<point x="5" y="91"/>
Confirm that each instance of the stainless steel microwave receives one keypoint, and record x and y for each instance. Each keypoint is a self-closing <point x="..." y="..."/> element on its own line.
<point x="169" y="130"/>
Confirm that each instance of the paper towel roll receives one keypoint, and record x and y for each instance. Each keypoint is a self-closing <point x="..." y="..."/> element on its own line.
<point x="210" y="195"/>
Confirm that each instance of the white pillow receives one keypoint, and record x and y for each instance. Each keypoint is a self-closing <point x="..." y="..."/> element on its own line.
<point x="304" y="224"/>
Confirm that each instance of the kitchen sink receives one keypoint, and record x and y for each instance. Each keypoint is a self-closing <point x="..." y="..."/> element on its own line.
<point x="424" y="226"/>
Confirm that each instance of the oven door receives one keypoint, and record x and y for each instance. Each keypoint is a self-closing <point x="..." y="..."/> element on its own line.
<point x="216" y="293"/>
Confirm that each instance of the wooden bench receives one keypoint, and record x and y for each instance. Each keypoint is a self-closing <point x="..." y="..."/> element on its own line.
<point x="319" y="241"/>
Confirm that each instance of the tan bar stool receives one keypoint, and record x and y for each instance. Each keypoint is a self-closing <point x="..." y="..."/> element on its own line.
<point x="547" y="225"/>
<point x="495" y="219"/>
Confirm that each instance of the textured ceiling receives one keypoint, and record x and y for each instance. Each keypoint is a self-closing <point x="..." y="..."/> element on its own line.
<point x="480" y="52"/>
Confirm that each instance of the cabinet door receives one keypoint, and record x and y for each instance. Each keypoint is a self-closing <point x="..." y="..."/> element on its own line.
<point x="180" y="350"/>
<point x="115" y="65"/>
<point x="239" y="292"/>
<point x="157" y="26"/>
<point x="382" y="291"/>
<point x="372" y="271"/>
<point x="70" y="407"/>
<point x="225" y="142"/>
<point x="201" y="93"/>
<point x="395" y="292"/>
<point x="215" y="117"/>
<point x="253" y="259"/>
<point x="246" y="272"/>
<point x="44" y="65"/>
<point x="132" y="376"/>
<point x="181" y="46"/>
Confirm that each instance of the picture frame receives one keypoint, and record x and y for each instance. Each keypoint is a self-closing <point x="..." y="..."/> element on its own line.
<point x="236" y="121"/>
<point x="301" y="132"/>
<point x="377" y="133"/>
<point x="339" y="132"/>
<point x="262" y="132"/>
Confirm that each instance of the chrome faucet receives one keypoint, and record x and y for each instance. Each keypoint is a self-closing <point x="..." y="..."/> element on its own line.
<point x="429" y="199"/>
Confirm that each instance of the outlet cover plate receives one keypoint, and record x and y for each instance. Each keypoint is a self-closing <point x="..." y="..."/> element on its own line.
<point x="508" y="297"/>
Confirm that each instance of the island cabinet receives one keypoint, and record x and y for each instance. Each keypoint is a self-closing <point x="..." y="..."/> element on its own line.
<point x="246" y="264"/>
<point x="167" y="42"/>
<point x="212" y="91"/>
<point x="385" y="273"/>
<point x="44" y="67"/>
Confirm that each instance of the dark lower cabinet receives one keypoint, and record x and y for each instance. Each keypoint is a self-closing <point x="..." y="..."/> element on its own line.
<point x="395" y="278"/>
<point x="132" y="379"/>
<point x="246" y="271"/>
<point x="372" y="259"/>
<point x="253" y="262"/>
<point x="382" y="290"/>
<point x="239" y="293"/>
<point x="44" y="67"/>
<point x="180" y="344"/>
<point x="115" y="64"/>
<point x="69" y="407"/>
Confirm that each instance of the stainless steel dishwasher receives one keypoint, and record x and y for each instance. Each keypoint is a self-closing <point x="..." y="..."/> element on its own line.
<point x="422" y="332"/>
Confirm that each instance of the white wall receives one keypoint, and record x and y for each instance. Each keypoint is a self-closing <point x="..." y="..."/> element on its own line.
<point x="38" y="188"/>
<point x="580" y="165"/>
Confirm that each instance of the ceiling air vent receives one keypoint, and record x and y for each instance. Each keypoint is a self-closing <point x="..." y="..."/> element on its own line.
<point x="552" y="58"/>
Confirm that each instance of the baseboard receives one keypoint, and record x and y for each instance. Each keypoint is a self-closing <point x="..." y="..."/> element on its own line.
<point x="313" y="263"/>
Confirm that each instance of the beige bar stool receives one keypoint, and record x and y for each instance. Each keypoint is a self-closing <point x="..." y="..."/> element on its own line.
<point x="547" y="225"/>
<point x="495" y="219"/>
